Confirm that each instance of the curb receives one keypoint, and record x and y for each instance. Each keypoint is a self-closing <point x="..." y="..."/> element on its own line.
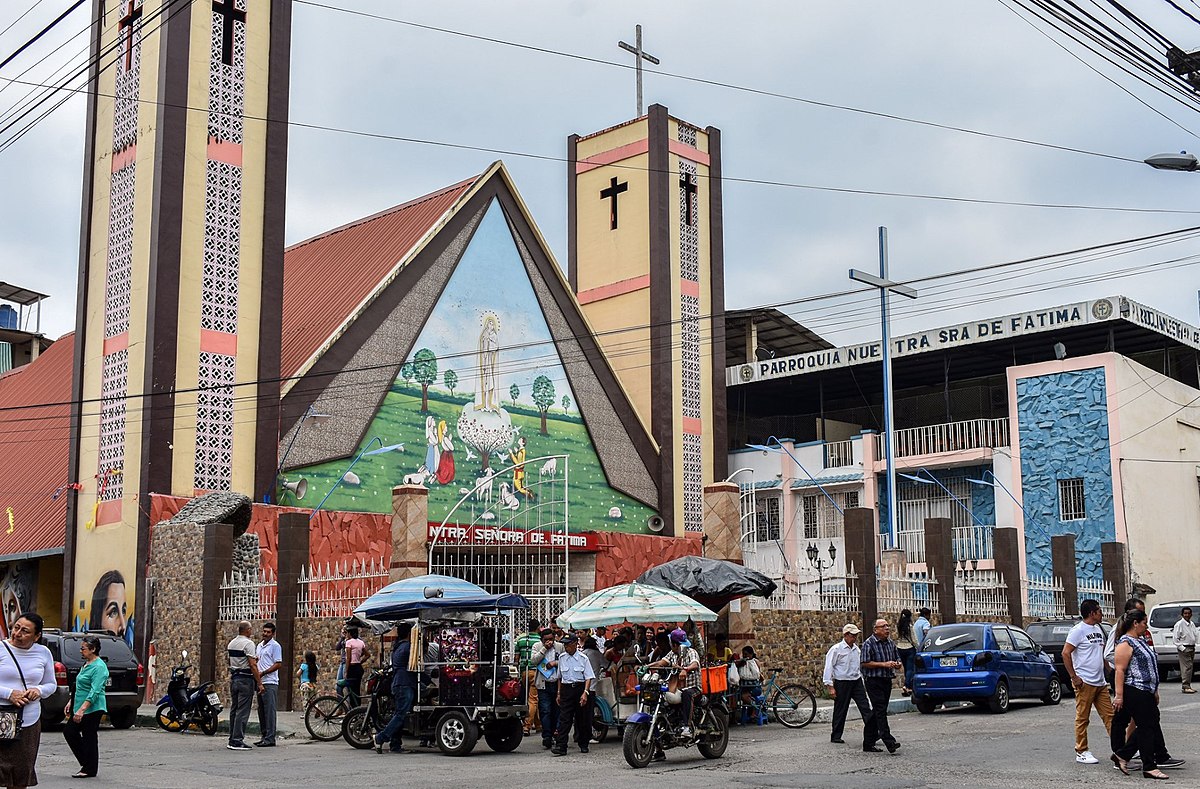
<point x="146" y="718"/>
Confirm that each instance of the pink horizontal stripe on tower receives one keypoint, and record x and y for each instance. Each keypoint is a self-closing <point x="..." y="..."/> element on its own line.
<point x="123" y="157"/>
<point x="688" y="152"/>
<point x="117" y="343"/>
<point x="218" y="342"/>
<point x="689" y="287"/>
<point x="612" y="155"/>
<point x="602" y="292"/>
<point x="108" y="512"/>
<point x="692" y="426"/>
<point x="227" y="152"/>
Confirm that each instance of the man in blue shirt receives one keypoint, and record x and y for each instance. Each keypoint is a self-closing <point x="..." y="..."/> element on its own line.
<point x="574" y="697"/>
<point x="404" y="691"/>
<point x="921" y="627"/>
<point x="270" y="658"/>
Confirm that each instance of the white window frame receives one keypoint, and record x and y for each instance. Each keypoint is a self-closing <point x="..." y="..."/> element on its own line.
<point x="1072" y="503"/>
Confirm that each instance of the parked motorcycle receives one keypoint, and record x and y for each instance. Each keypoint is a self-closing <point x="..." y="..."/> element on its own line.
<point x="364" y="721"/>
<point x="183" y="706"/>
<point x="658" y="724"/>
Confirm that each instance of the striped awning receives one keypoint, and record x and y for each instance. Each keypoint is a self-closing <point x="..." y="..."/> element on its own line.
<point x="633" y="602"/>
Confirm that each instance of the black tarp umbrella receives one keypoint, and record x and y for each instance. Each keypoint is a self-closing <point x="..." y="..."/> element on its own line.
<point x="710" y="582"/>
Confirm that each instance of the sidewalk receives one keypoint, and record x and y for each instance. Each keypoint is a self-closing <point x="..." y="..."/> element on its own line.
<point x="287" y="724"/>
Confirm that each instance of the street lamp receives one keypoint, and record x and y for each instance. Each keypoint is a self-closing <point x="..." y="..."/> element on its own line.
<point x="814" y="554"/>
<point x="885" y="286"/>
<point x="363" y="453"/>
<point x="995" y="483"/>
<point x="1182" y="161"/>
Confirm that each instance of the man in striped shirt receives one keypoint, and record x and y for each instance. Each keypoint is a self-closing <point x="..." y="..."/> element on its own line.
<point x="879" y="663"/>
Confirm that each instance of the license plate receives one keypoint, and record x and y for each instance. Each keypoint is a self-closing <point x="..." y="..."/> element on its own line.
<point x="949" y="661"/>
<point x="214" y="699"/>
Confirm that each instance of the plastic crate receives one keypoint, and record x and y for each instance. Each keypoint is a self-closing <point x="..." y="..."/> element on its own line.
<point x="714" y="679"/>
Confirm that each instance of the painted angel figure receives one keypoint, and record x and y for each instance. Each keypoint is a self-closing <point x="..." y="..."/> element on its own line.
<point x="486" y="397"/>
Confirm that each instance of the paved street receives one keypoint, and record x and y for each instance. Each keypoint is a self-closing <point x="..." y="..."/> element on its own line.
<point x="1029" y="746"/>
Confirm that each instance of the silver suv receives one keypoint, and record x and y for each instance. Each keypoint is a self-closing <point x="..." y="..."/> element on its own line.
<point x="1162" y="619"/>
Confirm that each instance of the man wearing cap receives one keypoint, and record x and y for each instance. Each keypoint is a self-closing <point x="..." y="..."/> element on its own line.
<point x="843" y="678"/>
<point x="879" y="663"/>
<point x="686" y="659"/>
<point x="574" y="697"/>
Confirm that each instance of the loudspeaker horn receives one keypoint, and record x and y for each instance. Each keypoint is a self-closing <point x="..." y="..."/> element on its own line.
<point x="655" y="523"/>
<point x="298" y="488"/>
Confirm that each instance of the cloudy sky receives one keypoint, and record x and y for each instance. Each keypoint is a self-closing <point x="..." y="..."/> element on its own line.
<point x="967" y="63"/>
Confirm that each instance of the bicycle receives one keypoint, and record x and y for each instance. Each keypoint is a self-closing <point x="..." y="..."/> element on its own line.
<point x="792" y="704"/>
<point x="323" y="716"/>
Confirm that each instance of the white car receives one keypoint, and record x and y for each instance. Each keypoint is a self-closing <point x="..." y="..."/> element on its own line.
<point x="1162" y="619"/>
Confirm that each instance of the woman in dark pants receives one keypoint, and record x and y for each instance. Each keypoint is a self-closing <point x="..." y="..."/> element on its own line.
<point x="86" y="708"/>
<point x="907" y="649"/>
<point x="1136" y="686"/>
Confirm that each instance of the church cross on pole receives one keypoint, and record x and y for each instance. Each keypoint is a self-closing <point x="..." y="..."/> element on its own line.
<point x="639" y="56"/>
<point x="125" y="28"/>
<point x="230" y="13"/>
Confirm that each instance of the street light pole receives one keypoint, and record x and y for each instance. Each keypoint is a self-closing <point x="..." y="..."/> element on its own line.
<point x="885" y="286"/>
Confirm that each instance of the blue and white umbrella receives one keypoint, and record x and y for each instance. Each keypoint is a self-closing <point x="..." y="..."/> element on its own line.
<point x="423" y="589"/>
<point x="633" y="603"/>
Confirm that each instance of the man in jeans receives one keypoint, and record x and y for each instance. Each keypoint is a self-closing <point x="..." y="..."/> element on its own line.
<point x="879" y="663"/>
<point x="404" y="691"/>
<point x="243" y="681"/>
<point x="270" y="658"/>
<point x="1185" y="643"/>
<point x="1083" y="657"/>
<point x="544" y="658"/>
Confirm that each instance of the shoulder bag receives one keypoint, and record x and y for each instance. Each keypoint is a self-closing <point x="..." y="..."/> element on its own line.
<point x="10" y="714"/>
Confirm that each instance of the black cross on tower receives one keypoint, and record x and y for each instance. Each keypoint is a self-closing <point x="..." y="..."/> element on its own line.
<point x="689" y="191"/>
<point x="230" y="13"/>
<point x="125" y="28"/>
<point x="610" y="194"/>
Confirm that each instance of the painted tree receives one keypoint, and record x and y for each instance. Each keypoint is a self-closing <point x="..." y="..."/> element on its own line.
<point x="514" y="392"/>
<point x="406" y="372"/>
<point x="543" y="397"/>
<point x="566" y="404"/>
<point x="425" y="371"/>
<point x="451" y="380"/>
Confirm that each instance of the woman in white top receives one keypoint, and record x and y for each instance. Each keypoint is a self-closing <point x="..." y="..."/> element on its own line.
<point x="26" y="677"/>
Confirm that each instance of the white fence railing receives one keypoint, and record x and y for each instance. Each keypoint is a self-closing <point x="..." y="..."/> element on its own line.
<point x="980" y="593"/>
<point x="248" y="594"/>
<point x="912" y="542"/>
<point x="838" y="454"/>
<point x="1044" y="597"/>
<point x="913" y="591"/>
<point x="972" y="542"/>
<point x="335" y="590"/>
<point x="948" y="437"/>
<point x="831" y="593"/>
<point x="1098" y="590"/>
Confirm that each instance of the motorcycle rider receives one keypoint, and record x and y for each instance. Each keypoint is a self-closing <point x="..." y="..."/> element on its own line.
<point x="687" y="661"/>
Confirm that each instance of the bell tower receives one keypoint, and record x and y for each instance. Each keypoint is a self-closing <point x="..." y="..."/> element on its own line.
<point x="645" y="260"/>
<point x="181" y="266"/>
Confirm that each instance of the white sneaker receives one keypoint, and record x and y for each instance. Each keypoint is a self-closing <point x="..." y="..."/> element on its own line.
<point x="1086" y="758"/>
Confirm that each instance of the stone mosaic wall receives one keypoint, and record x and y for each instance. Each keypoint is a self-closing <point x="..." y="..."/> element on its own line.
<point x="175" y="566"/>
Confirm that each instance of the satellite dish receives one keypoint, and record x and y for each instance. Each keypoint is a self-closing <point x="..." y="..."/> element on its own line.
<point x="655" y="523"/>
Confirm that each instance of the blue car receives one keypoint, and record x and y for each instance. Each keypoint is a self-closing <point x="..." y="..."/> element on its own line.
<point x="984" y="663"/>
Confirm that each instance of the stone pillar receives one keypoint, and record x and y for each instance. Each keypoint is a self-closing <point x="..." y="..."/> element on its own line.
<point x="410" y="532"/>
<point x="723" y="540"/>
<point x="1115" y="566"/>
<point x="861" y="539"/>
<point x="218" y="559"/>
<point x="292" y="555"/>
<point x="1008" y="564"/>
<point x="939" y="559"/>
<point x="1062" y="563"/>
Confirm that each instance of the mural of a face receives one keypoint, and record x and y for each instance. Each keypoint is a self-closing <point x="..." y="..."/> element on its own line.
<point x="16" y="593"/>
<point x="109" y="606"/>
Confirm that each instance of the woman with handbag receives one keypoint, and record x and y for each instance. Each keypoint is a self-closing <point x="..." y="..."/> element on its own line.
<point x="26" y="676"/>
<point x="86" y="708"/>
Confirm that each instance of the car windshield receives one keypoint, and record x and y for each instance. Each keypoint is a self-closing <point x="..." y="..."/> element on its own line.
<point x="1165" y="616"/>
<point x="113" y="651"/>
<point x="943" y="638"/>
<point x="1049" y="632"/>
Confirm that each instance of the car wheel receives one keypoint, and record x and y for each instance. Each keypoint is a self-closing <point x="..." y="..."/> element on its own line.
<point x="998" y="703"/>
<point x="122" y="718"/>
<point x="1053" y="693"/>
<point x="456" y="734"/>
<point x="925" y="705"/>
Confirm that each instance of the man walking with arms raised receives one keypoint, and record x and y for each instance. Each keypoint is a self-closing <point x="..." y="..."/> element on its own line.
<point x="1083" y="657"/>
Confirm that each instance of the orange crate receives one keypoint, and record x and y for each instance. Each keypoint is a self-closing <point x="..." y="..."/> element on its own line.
<point x="714" y="679"/>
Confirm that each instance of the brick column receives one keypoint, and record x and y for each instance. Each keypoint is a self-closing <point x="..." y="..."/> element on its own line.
<point x="410" y="532"/>
<point x="723" y="540"/>
<point x="218" y="559"/>
<point x="1115" y="563"/>
<point x="861" y="539"/>
<point x="939" y="559"/>
<point x="1062" y="563"/>
<point x="1008" y="564"/>
<point x="292" y="555"/>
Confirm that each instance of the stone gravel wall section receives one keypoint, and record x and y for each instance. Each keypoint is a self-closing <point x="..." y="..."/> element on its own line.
<point x="175" y="566"/>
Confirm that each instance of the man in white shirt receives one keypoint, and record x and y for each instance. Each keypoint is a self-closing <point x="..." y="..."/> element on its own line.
<point x="574" y="697"/>
<point x="544" y="658"/>
<point x="1185" y="643"/>
<point x="1083" y="657"/>
<point x="270" y="658"/>
<point x="843" y="679"/>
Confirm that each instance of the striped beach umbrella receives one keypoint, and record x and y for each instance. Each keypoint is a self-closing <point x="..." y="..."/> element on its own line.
<point x="633" y="603"/>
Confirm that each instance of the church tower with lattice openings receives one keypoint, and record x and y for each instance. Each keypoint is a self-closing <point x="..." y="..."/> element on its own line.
<point x="181" y="266"/>
<point x="645" y="260"/>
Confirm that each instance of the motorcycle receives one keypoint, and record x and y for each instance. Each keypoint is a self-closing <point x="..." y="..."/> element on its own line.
<point x="658" y="724"/>
<point x="364" y="721"/>
<point x="183" y="706"/>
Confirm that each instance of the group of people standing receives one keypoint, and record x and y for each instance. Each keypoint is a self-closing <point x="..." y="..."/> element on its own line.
<point x="253" y="671"/>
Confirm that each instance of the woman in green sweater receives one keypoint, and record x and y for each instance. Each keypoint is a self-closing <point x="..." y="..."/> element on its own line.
<point x="86" y="708"/>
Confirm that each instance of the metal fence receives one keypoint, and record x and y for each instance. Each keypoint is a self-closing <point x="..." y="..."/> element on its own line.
<point x="335" y="590"/>
<point x="980" y="593"/>
<point x="972" y="541"/>
<point x="913" y="591"/>
<point x="948" y="437"/>
<point x="1101" y="591"/>
<point x="248" y="594"/>
<point x="1044" y="597"/>
<point x="827" y="593"/>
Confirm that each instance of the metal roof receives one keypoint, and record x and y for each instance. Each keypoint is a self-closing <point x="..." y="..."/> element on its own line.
<point x="18" y="295"/>
<point x="34" y="446"/>
<point x="778" y="334"/>
<point x="327" y="277"/>
<point x="832" y="479"/>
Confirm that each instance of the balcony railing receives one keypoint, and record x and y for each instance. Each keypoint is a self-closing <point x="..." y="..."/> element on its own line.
<point x="947" y="437"/>
<point x="839" y="454"/>
<point x="972" y="542"/>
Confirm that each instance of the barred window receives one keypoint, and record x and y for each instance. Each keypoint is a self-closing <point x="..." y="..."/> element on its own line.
<point x="851" y="500"/>
<point x="767" y="527"/>
<point x="1070" y="500"/>
<point x="810" y="517"/>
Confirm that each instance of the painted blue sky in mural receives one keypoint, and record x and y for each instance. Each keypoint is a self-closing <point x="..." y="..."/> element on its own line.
<point x="491" y="277"/>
